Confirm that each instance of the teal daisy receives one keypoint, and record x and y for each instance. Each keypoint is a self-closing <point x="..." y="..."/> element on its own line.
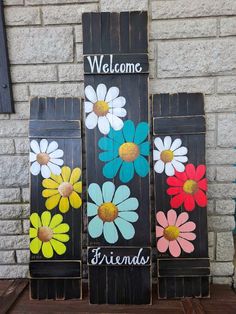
<point x="111" y="210"/>
<point x="126" y="151"/>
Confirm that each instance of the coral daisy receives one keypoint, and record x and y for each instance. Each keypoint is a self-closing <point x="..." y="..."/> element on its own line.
<point x="174" y="233"/>
<point x="188" y="187"/>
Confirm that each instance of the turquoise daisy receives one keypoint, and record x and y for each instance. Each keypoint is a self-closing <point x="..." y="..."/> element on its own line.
<point x="126" y="150"/>
<point x="112" y="210"/>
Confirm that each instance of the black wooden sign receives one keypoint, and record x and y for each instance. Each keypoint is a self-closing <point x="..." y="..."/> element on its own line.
<point x="56" y="201"/>
<point x="117" y="143"/>
<point x="6" y="99"/>
<point x="180" y="195"/>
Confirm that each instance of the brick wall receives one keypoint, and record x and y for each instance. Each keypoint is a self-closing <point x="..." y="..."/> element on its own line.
<point x="192" y="49"/>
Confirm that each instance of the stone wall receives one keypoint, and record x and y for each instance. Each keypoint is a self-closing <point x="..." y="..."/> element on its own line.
<point x="192" y="49"/>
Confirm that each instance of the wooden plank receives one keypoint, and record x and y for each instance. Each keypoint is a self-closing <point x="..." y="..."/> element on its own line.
<point x="179" y="127"/>
<point x="11" y="294"/>
<point x="117" y="284"/>
<point x="56" y="217"/>
<point x="6" y="97"/>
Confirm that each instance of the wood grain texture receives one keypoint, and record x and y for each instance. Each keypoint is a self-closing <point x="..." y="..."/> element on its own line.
<point x="57" y="119"/>
<point x="183" y="115"/>
<point x="120" y="34"/>
<point x="6" y="97"/>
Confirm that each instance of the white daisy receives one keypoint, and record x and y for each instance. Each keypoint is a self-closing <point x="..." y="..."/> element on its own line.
<point x="104" y="108"/>
<point x="170" y="155"/>
<point x="45" y="158"/>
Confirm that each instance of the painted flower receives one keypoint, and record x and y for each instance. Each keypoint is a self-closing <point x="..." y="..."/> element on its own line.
<point x="126" y="150"/>
<point x="63" y="190"/>
<point x="46" y="157"/>
<point x="111" y="210"/>
<point x="104" y="108"/>
<point x="188" y="187"/>
<point x="174" y="233"/>
<point x="169" y="156"/>
<point x="48" y="234"/>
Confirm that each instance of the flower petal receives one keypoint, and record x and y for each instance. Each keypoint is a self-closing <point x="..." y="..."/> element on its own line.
<point x="75" y="175"/>
<point x="35" y="168"/>
<point x="57" y="161"/>
<point x="109" y="155"/>
<point x="159" y="144"/>
<point x="128" y="205"/>
<point x="57" y="154"/>
<point x="64" y="205"/>
<point x="176" y="144"/>
<point x="54" y="168"/>
<point x="187" y="227"/>
<point x="116" y="136"/>
<point x="62" y="228"/>
<point x="112" y="93"/>
<point x="111" y="168"/>
<point x="200" y="198"/>
<point x="174" y="190"/>
<point x="56" y="178"/>
<point x="162" y="245"/>
<point x="186" y="246"/>
<point x="126" y="172"/>
<point x="33" y="233"/>
<point x="103" y="125"/>
<point x="101" y="91"/>
<point x="110" y="232"/>
<point x="91" y="121"/>
<point x="190" y="171"/>
<point x="178" y="165"/>
<point x="56" y="220"/>
<point x="171" y="217"/>
<point x="126" y="228"/>
<point x="95" y="193"/>
<point x="141" y="166"/>
<point x="92" y="209"/>
<point x="181" y="158"/>
<point x="159" y="166"/>
<point x="203" y="184"/>
<point x="174" y="248"/>
<point x="47" y="249"/>
<point x="182" y="218"/>
<point x="129" y="216"/>
<point x="59" y="247"/>
<point x="180" y="151"/>
<point x="90" y="94"/>
<point x="88" y="106"/>
<point x="108" y="189"/>
<point x="177" y="200"/>
<point x="116" y="123"/>
<point x="35" y="220"/>
<point x="169" y="169"/>
<point x="46" y="218"/>
<point x="173" y="181"/>
<point x="161" y="219"/>
<point x="52" y="201"/>
<point x="121" y="194"/>
<point x="50" y="184"/>
<point x="118" y="102"/>
<point x="188" y="235"/>
<point x="159" y="231"/>
<point x="35" y="245"/>
<point x="62" y="237"/>
<point x="107" y="144"/>
<point x="144" y="148"/>
<point x="95" y="227"/>
<point x="66" y="172"/>
<point x="181" y="175"/>
<point x="129" y="131"/>
<point x="78" y="187"/>
<point x="200" y="172"/>
<point x="43" y="145"/>
<point x="52" y="147"/>
<point x="156" y="155"/>
<point x="189" y="203"/>
<point x="141" y="133"/>
<point x="32" y="157"/>
<point x="45" y="171"/>
<point x="75" y="200"/>
<point x="119" y="112"/>
<point x="167" y="142"/>
<point x="35" y="147"/>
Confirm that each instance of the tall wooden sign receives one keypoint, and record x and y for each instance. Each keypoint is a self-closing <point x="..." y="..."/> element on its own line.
<point x="117" y="142"/>
<point x="180" y="195"/>
<point x="56" y="187"/>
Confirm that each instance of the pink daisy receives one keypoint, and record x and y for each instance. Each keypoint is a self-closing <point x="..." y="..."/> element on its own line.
<point x="174" y="233"/>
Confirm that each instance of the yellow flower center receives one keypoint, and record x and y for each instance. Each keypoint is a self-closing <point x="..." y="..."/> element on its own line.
<point x="167" y="155"/>
<point x="107" y="212"/>
<point x="101" y="108"/>
<point x="42" y="158"/>
<point x="129" y="151"/>
<point x="45" y="234"/>
<point x="65" y="189"/>
<point x="190" y="186"/>
<point x="171" y="233"/>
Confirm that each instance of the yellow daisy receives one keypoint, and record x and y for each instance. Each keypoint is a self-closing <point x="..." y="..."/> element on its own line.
<point x="48" y="234"/>
<point x="63" y="189"/>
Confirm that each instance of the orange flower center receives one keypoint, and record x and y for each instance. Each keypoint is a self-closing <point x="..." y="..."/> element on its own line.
<point x="107" y="212"/>
<point x="101" y="108"/>
<point x="171" y="233"/>
<point x="65" y="189"/>
<point x="167" y="155"/>
<point x="45" y="234"/>
<point x="190" y="186"/>
<point x="129" y="151"/>
<point x="42" y="158"/>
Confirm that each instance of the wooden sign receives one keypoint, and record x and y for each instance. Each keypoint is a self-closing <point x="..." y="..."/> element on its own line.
<point x="56" y="201"/>
<point x="180" y="195"/>
<point x="117" y="144"/>
<point x="6" y="98"/>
